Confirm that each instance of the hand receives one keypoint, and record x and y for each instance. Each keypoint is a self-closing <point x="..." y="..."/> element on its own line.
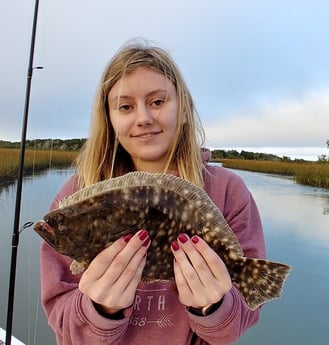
<point x="201" y="276"/>
<point x="112" y="277"/>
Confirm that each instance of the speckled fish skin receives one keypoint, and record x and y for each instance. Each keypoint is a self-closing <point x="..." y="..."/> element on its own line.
<point x="94" y="217"/>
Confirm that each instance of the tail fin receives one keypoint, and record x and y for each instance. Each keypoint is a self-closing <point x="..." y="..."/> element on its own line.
<point x="261" y="280"/>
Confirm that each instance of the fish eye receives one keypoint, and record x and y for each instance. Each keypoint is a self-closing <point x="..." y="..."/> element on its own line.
<point x="56" y="220"/>
<point x="62" y="229"/>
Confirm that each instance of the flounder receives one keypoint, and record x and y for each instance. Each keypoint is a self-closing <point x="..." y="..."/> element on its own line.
<point x="165" y="205"/>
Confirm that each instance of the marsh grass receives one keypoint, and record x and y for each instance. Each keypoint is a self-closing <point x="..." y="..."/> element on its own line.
<point x="312" y="174"/>
<point x="35" y="160"/>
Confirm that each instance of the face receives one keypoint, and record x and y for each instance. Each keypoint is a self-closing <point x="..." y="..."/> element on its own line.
<point x="143" y="113"/>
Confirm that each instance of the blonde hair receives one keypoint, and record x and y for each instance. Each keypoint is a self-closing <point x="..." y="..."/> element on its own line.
<point x="103" y="157"/>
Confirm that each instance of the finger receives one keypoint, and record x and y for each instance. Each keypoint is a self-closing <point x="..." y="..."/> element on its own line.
<point x="186" y="266"/>
<point x="209" y="267"/>
<point x="181" y="283"/>
<point x="101" y="262"/>
<point x="196" y="259"/>
<point x="117" y="286"/>
<point x="122" y="272"/>
<point x="122" y="293"/>
<point x="214" y="262"/>
<point x="130" y="289"/>
<point x="105" y="258"/>
<point x="204" y="287"/>
<point x="124" y="263"/>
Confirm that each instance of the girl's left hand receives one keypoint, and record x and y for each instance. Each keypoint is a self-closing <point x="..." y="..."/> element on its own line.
<point x="201" y="276"/>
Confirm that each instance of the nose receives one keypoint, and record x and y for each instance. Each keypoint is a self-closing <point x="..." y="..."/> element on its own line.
<point x="144" y="115"/>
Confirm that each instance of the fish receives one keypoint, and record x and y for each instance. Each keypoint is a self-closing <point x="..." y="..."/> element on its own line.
<point x="165" y="205"/>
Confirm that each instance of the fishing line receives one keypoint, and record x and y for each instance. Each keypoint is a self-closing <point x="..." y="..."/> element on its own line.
<point x="36" y="321"/>
<point x="29" y="263"/>
<point x="34" y="153"/>
<point x="51" y="153"/>
<point x="29" y="293"/>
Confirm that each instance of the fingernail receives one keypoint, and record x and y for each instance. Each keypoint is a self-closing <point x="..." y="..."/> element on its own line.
<point x="146" y="243"/>
<point x="127" y="237"/>
<point x="183" y="238"/>
<point x="175" y="246"/>
<point x="142" y="236"/>
<point x="195" y="239"/>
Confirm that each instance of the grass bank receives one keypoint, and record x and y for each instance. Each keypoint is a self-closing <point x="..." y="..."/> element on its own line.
<point x="311" y="174"/>
<point x="35" y="160"/>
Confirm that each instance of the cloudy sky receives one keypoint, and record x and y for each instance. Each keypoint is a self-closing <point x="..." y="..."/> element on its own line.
<point x="258" y="69"/>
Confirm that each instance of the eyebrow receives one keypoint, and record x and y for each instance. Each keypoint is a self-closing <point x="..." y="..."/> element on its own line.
<point x="116" y="99"/>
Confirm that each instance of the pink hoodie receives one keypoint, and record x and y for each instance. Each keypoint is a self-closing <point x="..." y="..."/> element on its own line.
<point x="157" y="317"/>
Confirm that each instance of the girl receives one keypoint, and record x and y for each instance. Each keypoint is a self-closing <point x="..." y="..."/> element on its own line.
<point x="144" y="119"/>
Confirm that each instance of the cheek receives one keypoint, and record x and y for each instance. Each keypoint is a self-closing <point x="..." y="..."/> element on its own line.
<point x="172" y="119"/>
<point x="119" y="125"/>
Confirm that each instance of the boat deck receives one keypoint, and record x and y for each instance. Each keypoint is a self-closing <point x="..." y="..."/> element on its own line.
<point x="14" y="341"/>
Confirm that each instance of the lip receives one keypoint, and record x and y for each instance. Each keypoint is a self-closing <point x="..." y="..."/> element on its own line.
<point x="48" y="228"/>
<point x="146" y="135"/>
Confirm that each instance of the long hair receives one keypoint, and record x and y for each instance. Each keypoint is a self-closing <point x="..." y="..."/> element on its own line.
<point x="103" y="157"/>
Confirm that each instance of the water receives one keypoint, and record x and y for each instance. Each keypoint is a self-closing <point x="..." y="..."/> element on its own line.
<point x="30" y="324"/>
<point x="296" y="226"/>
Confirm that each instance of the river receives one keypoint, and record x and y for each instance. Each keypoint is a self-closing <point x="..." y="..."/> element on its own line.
<point x="296" y="227"/>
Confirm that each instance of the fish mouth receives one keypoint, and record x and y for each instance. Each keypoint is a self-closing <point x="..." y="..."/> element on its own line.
<point x="45" y="231"/>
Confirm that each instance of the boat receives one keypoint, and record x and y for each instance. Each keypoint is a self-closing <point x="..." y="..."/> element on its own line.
<point x="14" y="341"/>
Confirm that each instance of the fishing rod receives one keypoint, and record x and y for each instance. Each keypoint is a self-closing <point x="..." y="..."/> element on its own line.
<point x="16" y="231"/>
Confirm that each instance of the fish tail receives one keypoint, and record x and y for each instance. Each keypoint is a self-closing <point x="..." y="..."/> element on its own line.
<point x="259" y="280"/>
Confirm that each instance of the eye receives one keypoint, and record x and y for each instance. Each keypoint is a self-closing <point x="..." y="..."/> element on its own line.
<point x="125" y="108"/>
<point x="157" y="102"/>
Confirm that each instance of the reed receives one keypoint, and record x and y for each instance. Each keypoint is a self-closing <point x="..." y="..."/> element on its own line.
<point x="35" y="160"/>
<point x="312" y="174"/>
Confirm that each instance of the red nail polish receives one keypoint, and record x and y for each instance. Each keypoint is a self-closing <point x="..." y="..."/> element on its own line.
<point x="146" y="243"/>
<point x="195" y="239"/>
<point x="183" y="238"/>
<point x="127" y="237"/>
<point x="175" y="246"/>
<point x="142" y="236"/>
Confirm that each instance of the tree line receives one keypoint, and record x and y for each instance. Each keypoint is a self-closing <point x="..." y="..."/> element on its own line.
<point x="234" y="154"/>
<point x="217" y="154"/>
<point x="47" y="144"/>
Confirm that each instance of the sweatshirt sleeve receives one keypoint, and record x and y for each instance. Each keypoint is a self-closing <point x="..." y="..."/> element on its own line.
<point x="70" y="313"/>
<point x="232" y="197"/>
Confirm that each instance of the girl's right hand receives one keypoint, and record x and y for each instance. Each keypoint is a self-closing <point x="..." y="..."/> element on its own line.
<point x="112" y="277"/>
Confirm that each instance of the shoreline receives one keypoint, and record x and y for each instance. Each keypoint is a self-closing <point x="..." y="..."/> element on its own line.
<point x="313" y="174"/>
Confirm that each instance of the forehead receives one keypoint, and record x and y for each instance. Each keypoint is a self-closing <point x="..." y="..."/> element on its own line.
<point x="142" y="80"/>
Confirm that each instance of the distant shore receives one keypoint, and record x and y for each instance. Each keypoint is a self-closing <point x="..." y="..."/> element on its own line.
<point x="311" y="174"/>
<point x="35" y="161"/>
<point x="307" y="173"/>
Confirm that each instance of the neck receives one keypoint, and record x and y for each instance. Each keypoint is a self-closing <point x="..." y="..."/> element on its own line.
<point x="153" y="167"/>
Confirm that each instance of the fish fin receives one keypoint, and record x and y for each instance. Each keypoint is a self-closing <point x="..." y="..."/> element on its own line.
<point x="77" y="267"/>
<point x="158" y="183"/>
<point x="261" y="281"/>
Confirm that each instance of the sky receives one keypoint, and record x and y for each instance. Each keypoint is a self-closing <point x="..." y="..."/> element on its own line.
<point x="258" y="70"/>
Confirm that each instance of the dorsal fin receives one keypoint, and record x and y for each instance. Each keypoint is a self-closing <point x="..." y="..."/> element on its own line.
<point x="181" y="187"/>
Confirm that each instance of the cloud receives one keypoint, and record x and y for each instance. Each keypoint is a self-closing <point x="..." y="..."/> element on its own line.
<point x="289" y="122"/>
<point x="248" y="64"/>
